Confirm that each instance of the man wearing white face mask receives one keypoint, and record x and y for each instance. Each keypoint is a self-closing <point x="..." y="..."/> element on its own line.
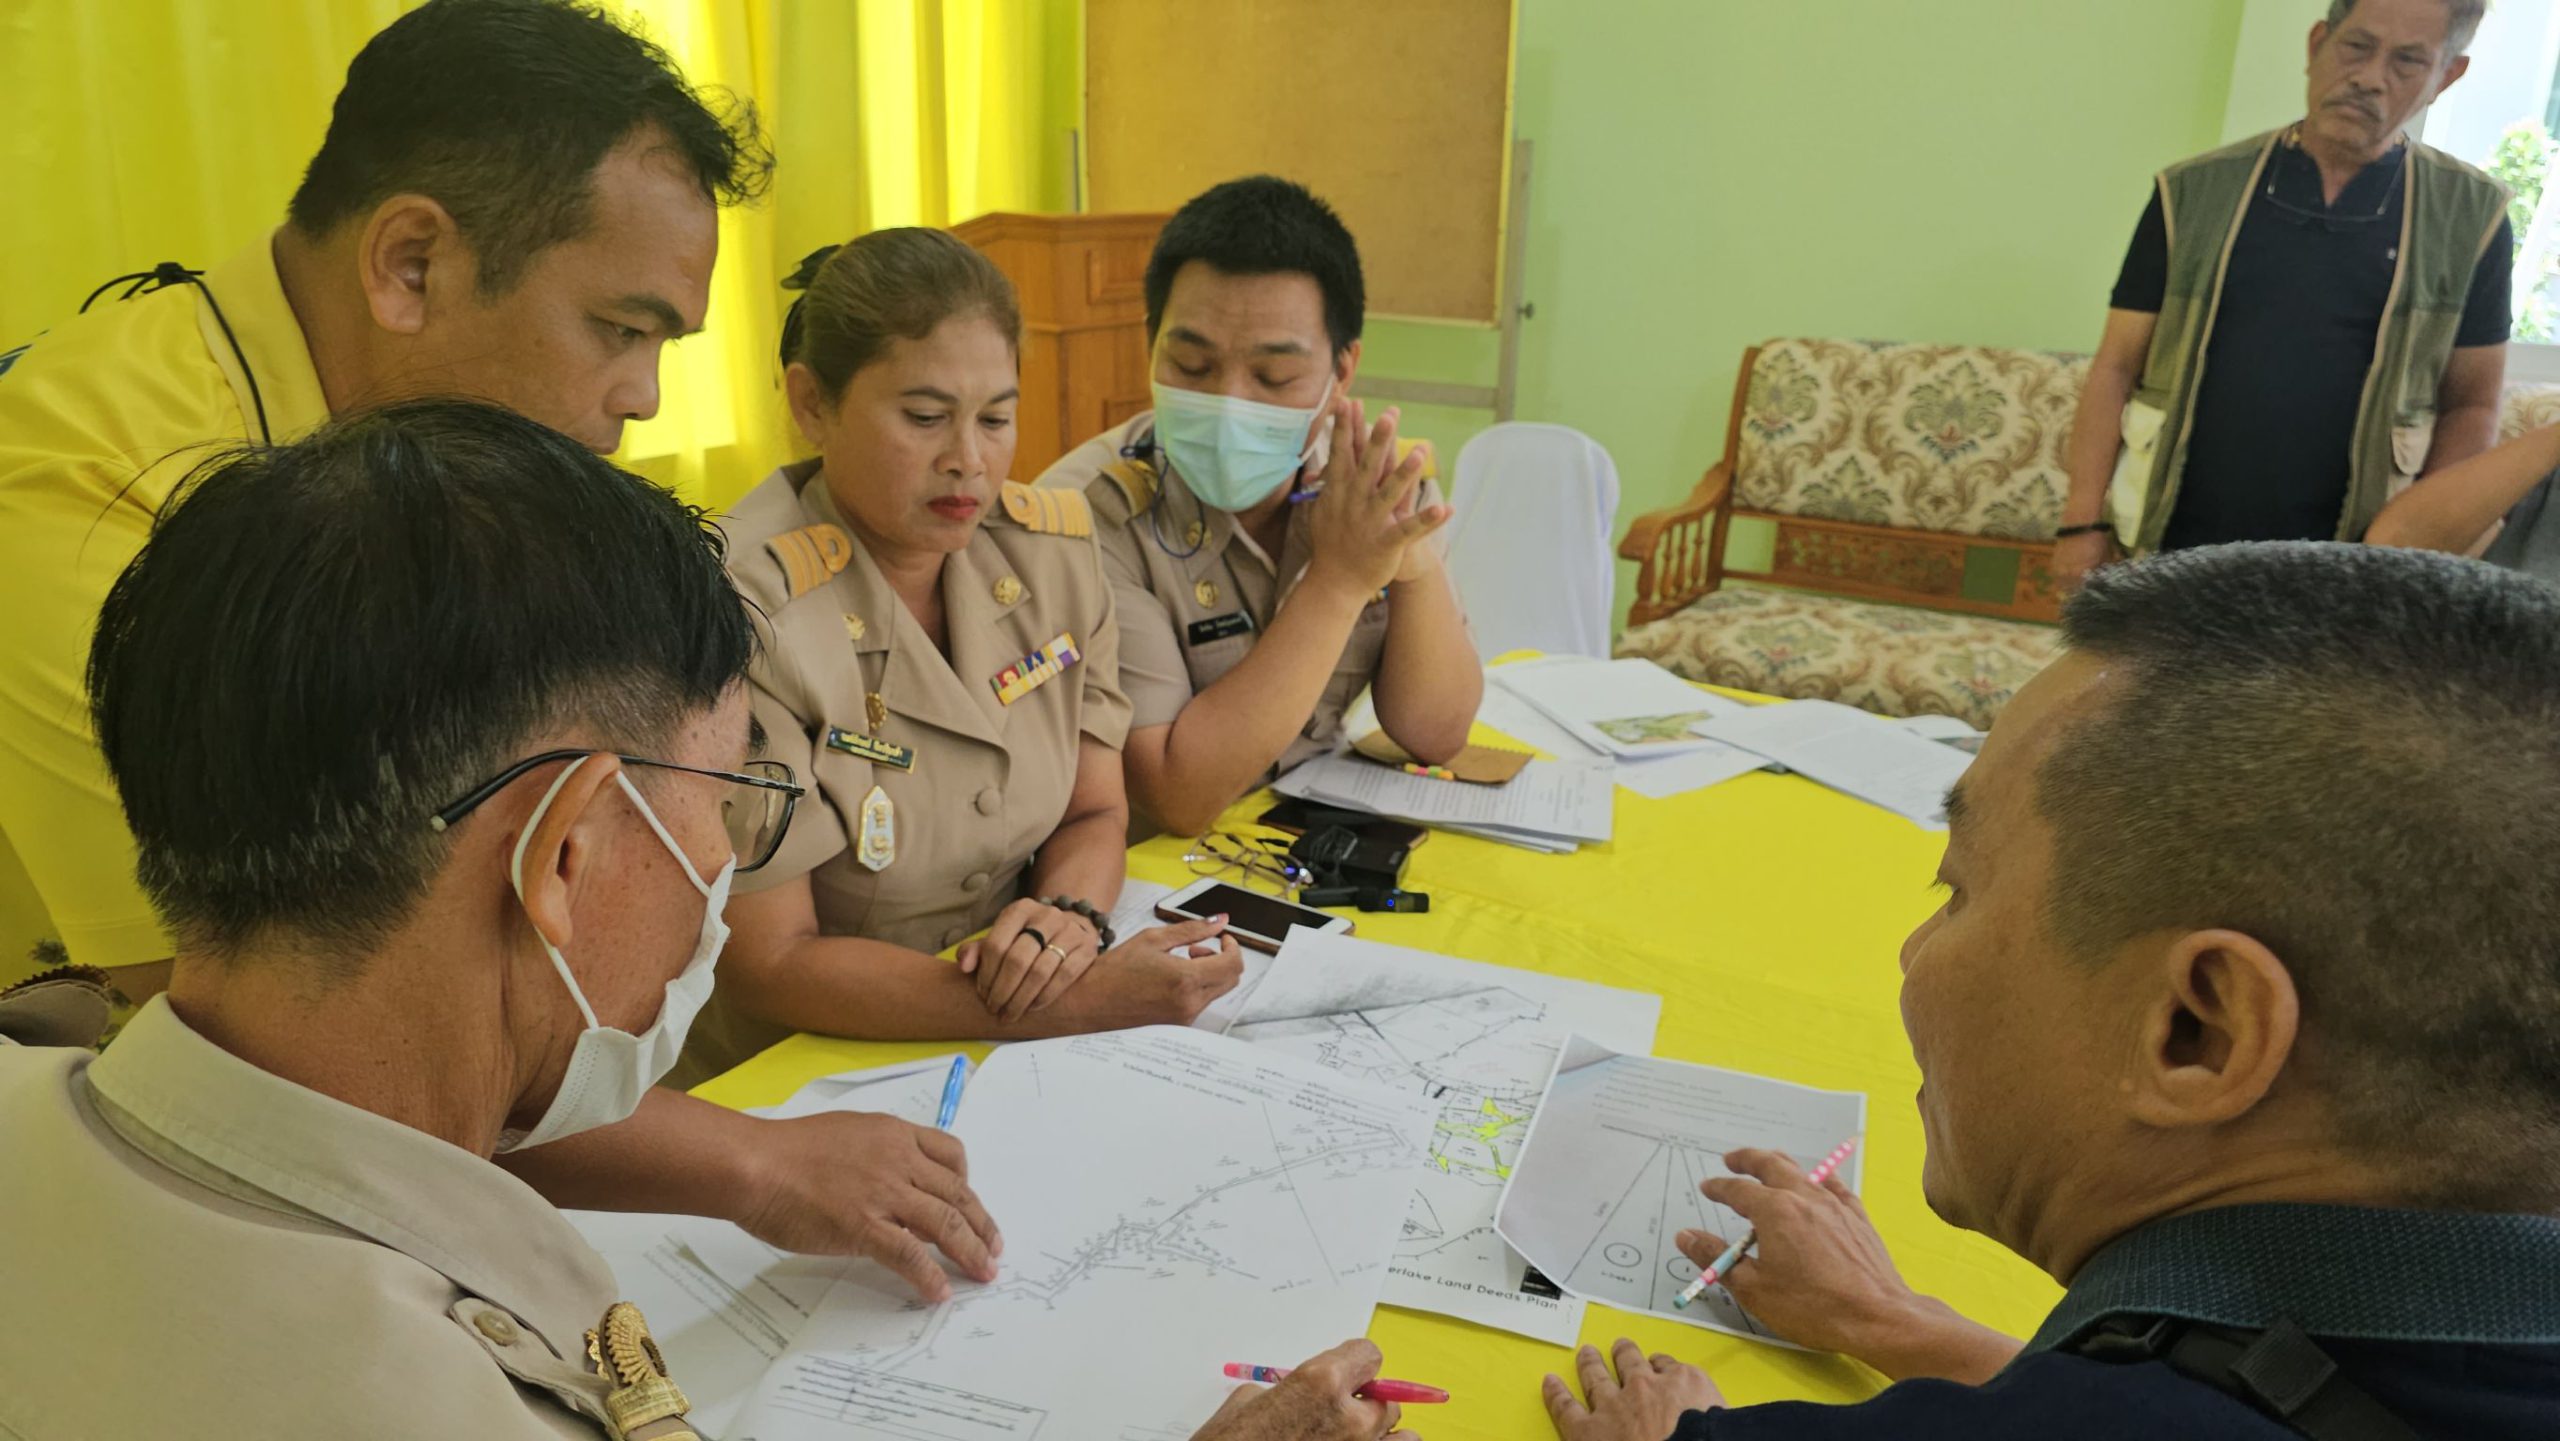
<point x="610" y="1069"/>
<point x="1270" y="549"/>
<point x="433" y="735"/>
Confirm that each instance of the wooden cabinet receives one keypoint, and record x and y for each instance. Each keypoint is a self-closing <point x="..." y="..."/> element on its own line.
<point x="1084" y="322"/>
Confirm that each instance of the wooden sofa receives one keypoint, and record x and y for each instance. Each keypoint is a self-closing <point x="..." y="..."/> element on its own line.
<point x="1903" y="498"/>
<point x="1899" y="503"/>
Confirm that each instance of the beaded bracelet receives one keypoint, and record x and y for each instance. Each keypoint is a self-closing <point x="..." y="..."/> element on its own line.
<point x="1086" y="909"/>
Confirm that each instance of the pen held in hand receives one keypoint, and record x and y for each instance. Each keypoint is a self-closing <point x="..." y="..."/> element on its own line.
<point x="1716" y="1270"/>
<point x="951" y="1093"/>
<point x="1403" y="1393"/>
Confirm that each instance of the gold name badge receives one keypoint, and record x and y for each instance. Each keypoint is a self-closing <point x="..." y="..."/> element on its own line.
<point x="871" y="748"/>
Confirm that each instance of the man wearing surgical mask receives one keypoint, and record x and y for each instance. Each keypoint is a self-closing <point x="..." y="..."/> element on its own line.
<point x="433" y="734"/>
<point x="1269" y="540"/>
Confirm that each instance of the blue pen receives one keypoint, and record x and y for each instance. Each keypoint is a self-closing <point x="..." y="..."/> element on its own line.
<point x="951" y="1093"/>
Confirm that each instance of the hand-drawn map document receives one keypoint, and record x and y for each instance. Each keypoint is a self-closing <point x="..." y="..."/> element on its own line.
<point x="1475" y="1041"/>
<point x="722" y="1304"/>
<point x="1612" y="1168"/>
<point x="1170" y="1201"/>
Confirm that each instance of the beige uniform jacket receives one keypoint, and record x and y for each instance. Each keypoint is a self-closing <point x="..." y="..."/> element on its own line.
<point x="194" y="1247"/>
<point x="990" y="779"/>
<point x="1194" y="590"/>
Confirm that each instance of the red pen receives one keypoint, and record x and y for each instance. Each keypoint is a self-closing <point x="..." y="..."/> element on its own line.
<point x="1403" y="1393"/>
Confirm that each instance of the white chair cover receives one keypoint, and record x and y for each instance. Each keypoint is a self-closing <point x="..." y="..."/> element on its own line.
<point x="1536" y="508"/>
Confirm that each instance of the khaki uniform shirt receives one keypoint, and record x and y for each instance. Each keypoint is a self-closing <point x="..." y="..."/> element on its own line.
<point x="1194" y="590"/>
<point x="196" y="1247"/>
<point x="990" y="780"/>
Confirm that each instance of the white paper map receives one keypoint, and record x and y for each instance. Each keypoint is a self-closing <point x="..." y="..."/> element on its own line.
<point x="1476" y="1042"/>
<point x="1611" y="1173"/>
<point x="1171" y="1201"/>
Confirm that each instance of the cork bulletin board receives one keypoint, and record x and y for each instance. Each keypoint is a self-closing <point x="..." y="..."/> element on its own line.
<point x="1395" y="111"/>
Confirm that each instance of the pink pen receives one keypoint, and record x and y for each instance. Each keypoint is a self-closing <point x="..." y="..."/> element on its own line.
<point x="1716" y="1268"/>
<point x="1403" y="1393"/>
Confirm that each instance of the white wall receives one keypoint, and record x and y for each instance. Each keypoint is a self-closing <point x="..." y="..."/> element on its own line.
<point x="2511" y="63"/>
<point x="2266" y="65"/>
<point x="2513" y="55"/>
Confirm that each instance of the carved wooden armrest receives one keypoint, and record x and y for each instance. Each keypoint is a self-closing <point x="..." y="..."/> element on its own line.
<point x="1673" y="549"/>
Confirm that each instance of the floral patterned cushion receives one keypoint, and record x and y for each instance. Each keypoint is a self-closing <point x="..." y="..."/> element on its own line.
<point x="1958" y="438"/>
<point x="1891" y="659"/>
<point x="2528" y="407"/>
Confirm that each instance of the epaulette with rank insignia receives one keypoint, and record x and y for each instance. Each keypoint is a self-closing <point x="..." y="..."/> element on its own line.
<point x="810" y="556"/>
<point x="1137" y="481"/>
<point x="1047" y="510"/>
<point x="643" y="1400"/>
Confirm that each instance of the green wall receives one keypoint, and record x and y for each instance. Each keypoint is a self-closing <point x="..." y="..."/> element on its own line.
<point x="1712" y="173"/>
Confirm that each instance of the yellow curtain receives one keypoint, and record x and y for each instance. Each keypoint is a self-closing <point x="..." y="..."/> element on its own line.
<point x="150" y="130"/>
<point x="883" y="112"/>
<point x="147" y="130"/>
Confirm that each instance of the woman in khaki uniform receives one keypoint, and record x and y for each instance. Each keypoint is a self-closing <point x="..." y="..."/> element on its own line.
<point x="941" y="661"/>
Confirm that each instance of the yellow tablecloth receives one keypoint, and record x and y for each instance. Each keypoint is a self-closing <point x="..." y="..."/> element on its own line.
<point x="1767" y="912"/>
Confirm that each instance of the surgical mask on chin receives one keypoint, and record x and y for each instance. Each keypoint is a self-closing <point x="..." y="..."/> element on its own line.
<point x="1234" y="453"/>
<point x="609" y="1070"/>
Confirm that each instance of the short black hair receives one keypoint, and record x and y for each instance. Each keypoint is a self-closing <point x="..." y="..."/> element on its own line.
<point x="322" y="643"/>
<point x="2351" y="754"/>
<point x="500" y="111"/>
<point x="1263" y="225"/>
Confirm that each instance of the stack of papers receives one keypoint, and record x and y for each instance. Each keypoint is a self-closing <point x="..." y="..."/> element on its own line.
<point x="1885" y="763"/>
<point x="1946" y="730"/>
<point x="1504" y="710"/>
<point x="1630" y="714"/>
<point x="1551" y="806"/>
<point x="1631" y="709"/>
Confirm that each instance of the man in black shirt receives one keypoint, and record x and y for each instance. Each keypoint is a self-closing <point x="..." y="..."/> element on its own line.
<point x="2241" y="1018"/>
<point x="2277" y="405"/>
<point x="2307" y="286"/>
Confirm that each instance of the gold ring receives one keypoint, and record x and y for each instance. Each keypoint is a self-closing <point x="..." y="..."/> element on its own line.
<point x="1054" y="946"/>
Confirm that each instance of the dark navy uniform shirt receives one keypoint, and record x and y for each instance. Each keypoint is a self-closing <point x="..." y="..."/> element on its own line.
<point x="2451" y="1321"/>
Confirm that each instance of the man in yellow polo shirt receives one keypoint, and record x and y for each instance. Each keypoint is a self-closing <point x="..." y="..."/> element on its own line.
<point x="428" y="250"/>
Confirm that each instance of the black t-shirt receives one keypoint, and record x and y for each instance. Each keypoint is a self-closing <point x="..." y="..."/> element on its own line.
<point x="2285" y="368"/>
<point x="2477" y="1392"/>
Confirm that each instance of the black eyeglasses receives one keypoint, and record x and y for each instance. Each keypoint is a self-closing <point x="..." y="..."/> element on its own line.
<point x="756" y="810"/>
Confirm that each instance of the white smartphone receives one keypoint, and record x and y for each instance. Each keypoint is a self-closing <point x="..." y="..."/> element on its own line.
<point x="1253" y="918"/>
